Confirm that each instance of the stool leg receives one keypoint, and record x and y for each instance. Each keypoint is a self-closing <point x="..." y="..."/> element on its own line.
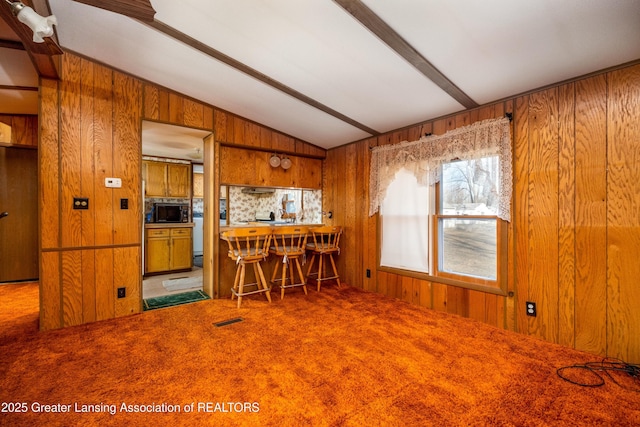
<point x="262" y="280"/>
<point x="303" y="281"/>
<point x="241" y="283"/>
<point x="235" y="282"/>
<point x="313" y="258"/>
<point x="284" y="277"/>
<point x="335" y="271"/>
<point x="319" y="270"/>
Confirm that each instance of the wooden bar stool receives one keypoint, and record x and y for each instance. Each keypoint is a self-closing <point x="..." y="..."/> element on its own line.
<point x="325" y="243"/>
<point x="248" y="246"/>
<point x="289" y="242"/>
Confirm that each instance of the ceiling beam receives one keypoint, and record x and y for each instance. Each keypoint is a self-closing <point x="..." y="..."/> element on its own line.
<point x="41" y="54"/>
<point x="391" y="38"/>
<point x="136" y="9"/>
<point x="207" y="50"/>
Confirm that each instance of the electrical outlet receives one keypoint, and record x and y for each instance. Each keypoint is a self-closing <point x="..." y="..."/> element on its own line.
<point x="124" y="203"/>
<point x="531" y="309"/>
<point x="368" y="273"/>
<point x="122" y="292"/>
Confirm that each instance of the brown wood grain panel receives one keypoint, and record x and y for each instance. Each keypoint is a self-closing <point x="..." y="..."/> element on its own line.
<point x="566" y="215"/>
<point x="103" y="154"/>
<point x="590" y="215"/>
<point x="361" y="200"/>
<point x="127" y="158"/>
<point x="164" y="108"/>
<point x="105" y="296"/>
<point x="348" y="242"/>
<point x="71" y="274"/>
<point x="520" y="212"/>
<point x="49" y="171"/>
<point x="88" y="260"/>
<point x="282" y="143"/>
<point x="176" y="109"/>
<point x="207" y="117"/>
<point x="543" y="212"/>
<point x="477" y="307"/>
<point x="406" y="288"/>
<point x="252" y="134"/>
<point x="127" y="273"/>
<point x="50" y="304"/>
<point x="237" y="166"/>
<point x="193" y="113"/>
<point x="506" y="306"/>
<point x="239" y="127"/>
<point x="220" y="125"/>
<point x="70" y="152"/>
<point x="87" y="167"/>
<point x="24" y="130"/>
<point x="439" y="296"/>
<point x="623" y="218"/>
<point x="151" y="111"/>
<point x="265" y="137"/>
<point x="494" y="310"/>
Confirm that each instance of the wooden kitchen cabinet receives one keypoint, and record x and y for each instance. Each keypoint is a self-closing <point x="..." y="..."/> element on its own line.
<point x="164" y="179"/>
<point x="168" y="249"/>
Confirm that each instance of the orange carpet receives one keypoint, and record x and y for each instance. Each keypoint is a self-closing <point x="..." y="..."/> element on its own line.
<point x="341" y="357"/>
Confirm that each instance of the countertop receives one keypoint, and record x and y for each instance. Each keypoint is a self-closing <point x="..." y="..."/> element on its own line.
<point x="265" y="224"/>
<point x="169" y="225"/>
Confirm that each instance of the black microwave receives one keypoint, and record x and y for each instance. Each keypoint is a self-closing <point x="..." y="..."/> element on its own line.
<point x="170" y="212"/>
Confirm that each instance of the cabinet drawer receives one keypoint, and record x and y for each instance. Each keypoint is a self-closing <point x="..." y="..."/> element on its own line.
<point x="181" y="232"/>
<point x="158" y="232"/>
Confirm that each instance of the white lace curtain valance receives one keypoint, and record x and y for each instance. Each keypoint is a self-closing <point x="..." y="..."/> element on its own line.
<point x="425" y="156"/>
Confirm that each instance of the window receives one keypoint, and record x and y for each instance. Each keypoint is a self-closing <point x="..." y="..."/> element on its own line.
<point x="462" y="247"/>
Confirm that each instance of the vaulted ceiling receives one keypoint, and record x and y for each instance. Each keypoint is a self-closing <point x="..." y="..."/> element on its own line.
<point x="332" y="72"/>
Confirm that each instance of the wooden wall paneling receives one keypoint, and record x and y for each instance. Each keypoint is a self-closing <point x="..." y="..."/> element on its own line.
<point x="623" y="215"/>
<point x="127" y="159"/>
<point x="193" y="113"/>
<point x="566" y="215"/>
<point x="349" y="253"/>
<point x="103" y="203"/>
<point x="49" y="170"/>
<point x="381" y="282"/>
<point x="308" y="172"/>
<point x="71" y="274"/>
<point x="207" y="117"/>
<point x="237" y="166"/>
<point x="425" y="294"/>
<point x="127" y="273"/>
<point x="88" y="282"/>
<point x="543" y="212"/>
<point x="151" y="102"/>
<point x="361" y="200"/>
<point x="50" y="291"/>
<point x="439" y="291"/>
<point x="370" y="225"/>
<point x="87" y="167"/>
<point x="282" y="143"/>
<point x="70" y="152"/>
<point x="590" y="238"/>
<point x="176" y="109"/>
<point x="220" y="125"/>
<point x="520" y="213"/>
<point x="104" y="283"/>
<point x="506" y="306"/>
<point x="24" y="130"/>
<point x="252" y="134"/>
<point x="211" y="225"/>
<point x="477" y="305"/>
<point x="239" y="126"/>
<point x="164" y="106"/>
<point x="406" y="289"/>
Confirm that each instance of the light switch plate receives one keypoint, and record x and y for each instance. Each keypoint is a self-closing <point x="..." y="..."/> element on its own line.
<point x="113" y="182"/>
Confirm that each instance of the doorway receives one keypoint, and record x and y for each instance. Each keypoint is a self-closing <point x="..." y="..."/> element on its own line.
<point x="173" y="145"/>
<point x="18" y="215"/>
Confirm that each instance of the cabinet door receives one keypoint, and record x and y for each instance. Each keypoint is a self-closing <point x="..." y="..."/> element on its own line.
<point x="158" y="254"/>
<point x="181" y="248"/>
<point x="198" y="185"/>
<point x="179" y="184"/>
<point x="155" y="179"/>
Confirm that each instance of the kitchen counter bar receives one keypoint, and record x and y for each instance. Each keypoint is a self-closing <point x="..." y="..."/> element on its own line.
<point x="169" y="225"/>
<point x="264" y="224"/>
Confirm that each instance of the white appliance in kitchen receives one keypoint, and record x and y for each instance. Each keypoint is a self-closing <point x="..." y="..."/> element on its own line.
<point x="198" y="234"/>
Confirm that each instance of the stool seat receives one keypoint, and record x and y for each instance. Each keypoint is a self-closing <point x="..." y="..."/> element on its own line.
<point x="289" y="242"/>
<point x="248" y="246"/>
<point x="324" y="242"/>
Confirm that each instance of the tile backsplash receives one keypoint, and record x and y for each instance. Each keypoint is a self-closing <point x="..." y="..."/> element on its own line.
<point x="243" y="207"/>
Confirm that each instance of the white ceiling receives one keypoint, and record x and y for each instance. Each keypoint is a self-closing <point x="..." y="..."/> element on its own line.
<point x="489" y="49"/>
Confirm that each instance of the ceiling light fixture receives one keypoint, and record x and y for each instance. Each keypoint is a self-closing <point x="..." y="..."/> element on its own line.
<point x="285" y="163"/>
<point x="274" y="161"/>
<point x="41" y="26"/>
